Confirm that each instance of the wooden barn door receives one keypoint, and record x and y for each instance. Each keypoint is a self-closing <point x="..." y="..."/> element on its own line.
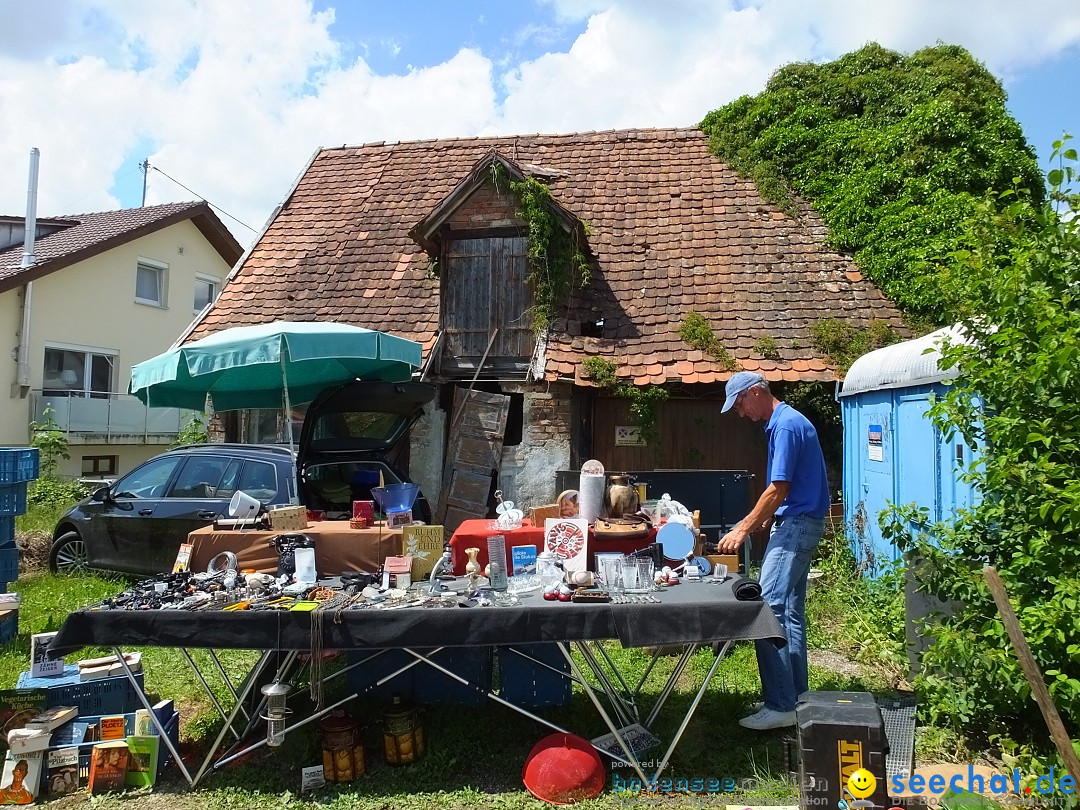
<point x="475" y="451"/>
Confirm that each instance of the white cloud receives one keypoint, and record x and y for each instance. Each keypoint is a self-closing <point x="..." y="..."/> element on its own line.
<point x="235" y="96"/>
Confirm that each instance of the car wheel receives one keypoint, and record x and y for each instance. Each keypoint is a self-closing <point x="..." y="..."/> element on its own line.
<point x="68" y="555"/>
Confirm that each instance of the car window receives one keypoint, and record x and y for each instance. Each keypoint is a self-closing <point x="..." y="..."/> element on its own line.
<point x="227" y="487"/>
<point x="149" y="480"/>
<point x="200" y="477"/>
<point x="259" y="480"/>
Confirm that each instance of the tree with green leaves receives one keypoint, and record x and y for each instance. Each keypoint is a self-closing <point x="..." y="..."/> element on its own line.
<point x="1017" y="400"/>
<point x="894" y="152"/>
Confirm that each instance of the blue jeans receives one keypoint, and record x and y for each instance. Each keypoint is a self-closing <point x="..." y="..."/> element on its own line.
<point x="792" y="541"/>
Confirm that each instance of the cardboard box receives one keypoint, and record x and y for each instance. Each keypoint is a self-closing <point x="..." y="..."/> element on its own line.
<point x="542" y="513"/>
<point x="288" y="518"/>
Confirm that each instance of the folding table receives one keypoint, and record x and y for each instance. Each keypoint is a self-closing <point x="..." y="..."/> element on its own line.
<point x="690" y="615"/>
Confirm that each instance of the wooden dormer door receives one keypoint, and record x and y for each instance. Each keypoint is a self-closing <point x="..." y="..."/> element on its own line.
<point x="485" y="288"/>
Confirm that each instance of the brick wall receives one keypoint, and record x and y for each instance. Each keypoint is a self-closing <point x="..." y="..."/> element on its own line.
<point x="487" y="208"/>
<point x="528" y="470"/>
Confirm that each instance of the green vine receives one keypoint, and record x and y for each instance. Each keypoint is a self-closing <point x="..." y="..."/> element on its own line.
<point x="843" y="344"/>
<point x="556" y="260"/>
<point x="645" y="401"/>
<point x="696" y="332"/>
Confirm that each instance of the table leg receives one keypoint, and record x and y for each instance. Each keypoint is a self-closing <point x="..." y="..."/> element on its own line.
<point x="627" y="711"/>
<point x="230" y="756"/>
<point x="669" y="685"/>
<point x="206" y="688"/>
<point x="153" y="716"/>
<point x="228" y="681"/>
<point x="631" y="757"/>
<point x="692" y="708"/>
<point x="245" y="690"/>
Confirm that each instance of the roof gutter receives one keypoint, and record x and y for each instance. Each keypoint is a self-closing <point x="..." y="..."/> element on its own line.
<point x="22" y="379"/>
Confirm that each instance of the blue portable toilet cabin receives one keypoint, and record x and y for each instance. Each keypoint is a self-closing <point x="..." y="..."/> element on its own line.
<point x="892" y="451"/>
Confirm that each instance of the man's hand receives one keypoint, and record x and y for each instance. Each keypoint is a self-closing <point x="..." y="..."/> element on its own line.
<point x="731" y="541"/>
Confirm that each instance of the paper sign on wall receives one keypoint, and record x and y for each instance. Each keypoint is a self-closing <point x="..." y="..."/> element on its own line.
<point x="875" y="443"/>
<point x="568" y="539"/>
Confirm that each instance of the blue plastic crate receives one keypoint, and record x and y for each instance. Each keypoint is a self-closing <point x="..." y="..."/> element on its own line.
<point x="18" y="464"/>
<point x="13" y="499"/>
<point x="529" y="685"/>
<point x="9" y="627"/>
<point x="363" y="677"/>
<point x="7" y="531"/>
<point x="9" y="564"/>
<point x="113" y="695"/>
<point x="472" y="663"/>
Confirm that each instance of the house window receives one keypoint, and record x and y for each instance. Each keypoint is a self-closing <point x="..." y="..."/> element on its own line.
<point x="98" y="466"/>
<point x="77" y="372"/>
<point x="150" y="282"/>
<point x="206" y="291"/>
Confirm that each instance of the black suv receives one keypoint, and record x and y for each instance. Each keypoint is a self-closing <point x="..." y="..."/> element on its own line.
<point x="137" y="525"/>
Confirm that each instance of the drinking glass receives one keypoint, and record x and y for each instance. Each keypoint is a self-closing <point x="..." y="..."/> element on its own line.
<point x="629" y="574"/>
<point x="645" y="571"/>
<point x="610" y="570"/>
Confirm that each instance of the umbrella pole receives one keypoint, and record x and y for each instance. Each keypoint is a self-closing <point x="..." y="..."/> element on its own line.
<point x="288" y="406"/>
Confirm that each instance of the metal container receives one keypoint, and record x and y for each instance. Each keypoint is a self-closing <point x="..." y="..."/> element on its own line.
<point x="403" y="733"/>
<point x="342" y="747"/>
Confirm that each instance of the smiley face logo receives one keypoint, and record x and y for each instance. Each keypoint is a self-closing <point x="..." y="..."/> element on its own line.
<point x="861" y="783"/>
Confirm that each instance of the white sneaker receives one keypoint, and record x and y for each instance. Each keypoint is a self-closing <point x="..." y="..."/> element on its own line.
<point x="767" y="719"/>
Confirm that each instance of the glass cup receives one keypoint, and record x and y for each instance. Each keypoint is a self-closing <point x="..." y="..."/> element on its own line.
<point x="629" y="577"/>
<point x="610" y="571"/>
<point x="720" y="571"/>
<point x="645" y="571"/>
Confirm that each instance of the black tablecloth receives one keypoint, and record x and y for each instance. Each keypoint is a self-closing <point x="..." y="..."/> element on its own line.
<point x="690" y="612"/>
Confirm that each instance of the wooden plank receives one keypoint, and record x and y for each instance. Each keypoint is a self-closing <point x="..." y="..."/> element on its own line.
<point x="1031" y="671"/>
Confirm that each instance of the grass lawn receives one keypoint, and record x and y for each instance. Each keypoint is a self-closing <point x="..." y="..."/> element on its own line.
<point x="474" y="755"/>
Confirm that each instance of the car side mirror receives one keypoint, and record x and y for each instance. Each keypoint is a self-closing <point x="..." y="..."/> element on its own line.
<point x="101" y="495"/>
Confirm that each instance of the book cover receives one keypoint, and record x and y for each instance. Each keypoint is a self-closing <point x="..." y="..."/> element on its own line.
<point x="523" y="560"/>
<point x="164" y="709"/>
<point x="73" y="733"/>
<point x="425" y="545"/>
<point x="52" y="719"/>
<point x="183" y="557"/>
<point x="24" y="740"/>
<point x="108" y="766"/>
<point x="62" y="776"/>
<point x="112" y="727"/>
<point x="22" y="776"/>
<point x="637" y="737"/>
<point x="142" y="761"/>
<point x="17" y="708"/>
<point x="41" y="666"/>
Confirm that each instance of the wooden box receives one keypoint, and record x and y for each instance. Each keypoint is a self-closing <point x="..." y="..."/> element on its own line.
<point x="542" y="513"/>
<point x="288" y="518"/>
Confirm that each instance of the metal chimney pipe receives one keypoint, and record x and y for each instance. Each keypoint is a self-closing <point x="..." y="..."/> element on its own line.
<point x="28" y="257"/>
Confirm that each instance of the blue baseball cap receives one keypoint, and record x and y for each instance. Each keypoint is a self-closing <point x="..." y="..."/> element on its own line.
<point x="738" y="383"/>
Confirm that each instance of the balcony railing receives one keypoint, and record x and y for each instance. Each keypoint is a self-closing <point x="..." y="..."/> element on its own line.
<point x="108" y="418"/>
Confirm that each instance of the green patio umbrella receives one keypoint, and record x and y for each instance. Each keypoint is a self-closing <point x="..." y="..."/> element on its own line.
<point x="271" y="365"/>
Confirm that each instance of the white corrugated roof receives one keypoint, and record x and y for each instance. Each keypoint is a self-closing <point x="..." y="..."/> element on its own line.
<point x="901" y="365"/>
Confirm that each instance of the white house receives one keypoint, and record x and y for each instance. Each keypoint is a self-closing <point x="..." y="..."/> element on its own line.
<point x="104" y="291"/>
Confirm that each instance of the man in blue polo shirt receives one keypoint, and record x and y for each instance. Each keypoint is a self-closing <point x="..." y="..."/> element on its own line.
<point x="795" y="502"/>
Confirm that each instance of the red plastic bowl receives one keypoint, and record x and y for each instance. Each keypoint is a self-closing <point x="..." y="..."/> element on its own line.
<point x="563" y="769"/>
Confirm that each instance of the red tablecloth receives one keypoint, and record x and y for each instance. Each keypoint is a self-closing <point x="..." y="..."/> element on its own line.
<point x="474" y="534"/>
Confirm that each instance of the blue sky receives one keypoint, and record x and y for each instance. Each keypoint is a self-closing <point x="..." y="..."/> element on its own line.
<point x="231" y="99"/>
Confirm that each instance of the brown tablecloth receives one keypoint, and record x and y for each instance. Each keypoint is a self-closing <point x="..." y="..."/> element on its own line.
<point x="338" y="547"/>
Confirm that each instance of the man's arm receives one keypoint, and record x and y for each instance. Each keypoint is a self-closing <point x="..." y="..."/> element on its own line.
<point x="763" y="510"/>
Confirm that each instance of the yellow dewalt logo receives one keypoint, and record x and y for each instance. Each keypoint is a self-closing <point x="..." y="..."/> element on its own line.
<point x="850" y="759"/>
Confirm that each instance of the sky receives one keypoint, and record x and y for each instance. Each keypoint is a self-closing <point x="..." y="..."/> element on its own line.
<point x="228" y="100"/>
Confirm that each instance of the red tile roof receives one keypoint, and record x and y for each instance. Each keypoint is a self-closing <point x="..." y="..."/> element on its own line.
<point x="91" y="234"/>
<point x="672" y="230"/>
